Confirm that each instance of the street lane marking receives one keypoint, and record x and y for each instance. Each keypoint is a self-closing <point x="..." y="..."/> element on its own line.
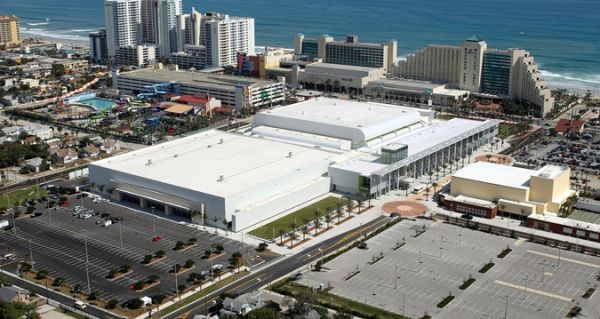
<point x="535" y="291"/>
<point x="575" y="261"/>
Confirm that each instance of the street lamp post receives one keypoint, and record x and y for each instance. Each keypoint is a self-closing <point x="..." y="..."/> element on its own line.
<point x="176" y="285"/>
<point x="153" y="222"/>
<point x="87" y="268"/>
<point x="31" y="255"/>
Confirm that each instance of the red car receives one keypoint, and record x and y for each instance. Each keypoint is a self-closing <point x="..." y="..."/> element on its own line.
<point x="64" y="204"/>
<point x="157" y="238"/>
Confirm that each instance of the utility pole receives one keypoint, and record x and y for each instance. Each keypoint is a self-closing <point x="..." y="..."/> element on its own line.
<point x="506" y="308"/>
<point x="558" y="247"/>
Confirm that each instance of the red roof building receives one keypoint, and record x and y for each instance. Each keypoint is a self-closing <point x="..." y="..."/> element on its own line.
<point x="572" y="127"/>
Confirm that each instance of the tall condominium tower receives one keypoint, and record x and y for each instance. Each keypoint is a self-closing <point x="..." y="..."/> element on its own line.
<point x="9" y="30"/>
<point x="123" y="24"/>
<point x="225" y="36"/>
<point x="98" y="46"/>
<point x="159" y="24"/>
<point x="188" y="29"/>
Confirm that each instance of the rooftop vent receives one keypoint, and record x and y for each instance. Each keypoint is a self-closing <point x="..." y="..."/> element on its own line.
<point x="221" y="141"/>
<point x="221" y="178"/>
<point x="290" y="155"/>
<point x="149" y="162"/>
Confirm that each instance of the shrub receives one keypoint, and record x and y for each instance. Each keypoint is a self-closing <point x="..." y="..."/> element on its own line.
<point x="135" y="303"/>
<point x="112" y="304"/>
<point x="159" y="253"/>
<point x="94" y="295"/>
<point x="139" y="285"/>
<point x="219" y="249"/>
<point x="189" y="263"/>
<point x="147" y="259"/>
<point x="112" y="274"/>
<point x="262" y="247"/>
<point x="192" y="240"/>
<point x="179" y="245"/>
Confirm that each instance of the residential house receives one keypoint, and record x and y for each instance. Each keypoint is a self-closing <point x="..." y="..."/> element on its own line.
<point x="14" y="294"/>
<point x="35" y="164"/>
<point x="13" y="132"/>
<point x="109" y="146"/>
<point x="64" y="156"/>
<point x="53" y="143"/>
<point x="242" y="304"/>
<point x="90" y="151"/>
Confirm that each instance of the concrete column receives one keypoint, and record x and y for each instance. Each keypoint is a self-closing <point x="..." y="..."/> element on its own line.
<point x="168" y="210"/>
<point x="143" y="203"/>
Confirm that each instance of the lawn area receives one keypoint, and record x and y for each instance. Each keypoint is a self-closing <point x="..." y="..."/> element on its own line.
<point x="22" y="195"/>
<point x="285" y="222"/>
<point x="325" y="299"/>
<point x="505" y="130"/>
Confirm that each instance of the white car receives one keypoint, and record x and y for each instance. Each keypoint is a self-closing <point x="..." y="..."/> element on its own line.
<point x="85" y="216"/>
<point x="217" y="267"/>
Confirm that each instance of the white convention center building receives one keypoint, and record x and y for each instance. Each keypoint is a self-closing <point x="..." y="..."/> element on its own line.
<point x="292" y="154"/>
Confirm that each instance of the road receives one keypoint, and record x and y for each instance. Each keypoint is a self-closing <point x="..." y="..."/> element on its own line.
<point x="277" y="270"/>
<point x="43" y="179"/>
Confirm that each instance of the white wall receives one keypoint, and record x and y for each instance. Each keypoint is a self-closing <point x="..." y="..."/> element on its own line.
<point x="247" y="218"/>
<point x="344" y="181"/>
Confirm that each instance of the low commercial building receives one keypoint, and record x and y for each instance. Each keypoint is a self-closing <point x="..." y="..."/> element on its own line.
<point x="565" y="226"/>
<point x="401" y="90"/>
<point x="137" y="55"/>
<point x="193" y="56"/>
<point x="335" y="77"/>
<point x="484" y="189"/>
<point x="237" y="92"/>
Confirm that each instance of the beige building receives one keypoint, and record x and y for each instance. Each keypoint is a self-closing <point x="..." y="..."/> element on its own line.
<point x="472" y="66"/>
<point x="509" y="189"/>
<point x="9" y="30"/>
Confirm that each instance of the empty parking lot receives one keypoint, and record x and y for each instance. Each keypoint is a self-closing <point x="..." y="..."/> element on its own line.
<point x="416" y="273"/>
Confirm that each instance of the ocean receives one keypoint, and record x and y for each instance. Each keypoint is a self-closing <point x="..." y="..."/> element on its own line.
<point x="562" y="35"/>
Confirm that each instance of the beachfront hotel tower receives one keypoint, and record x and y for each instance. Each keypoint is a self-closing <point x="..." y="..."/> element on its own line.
<point x="123" y="24"/>
<point x="347" y="52"/>
<point x="9" y="30"/>
<point x="159" y="24"/>
<point x="492" y="73"/>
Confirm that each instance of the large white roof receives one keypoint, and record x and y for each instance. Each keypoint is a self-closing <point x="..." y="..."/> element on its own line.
<point x="502" y="175"/>
<point x="344" y="119"/>
<point x="196" y="162"/>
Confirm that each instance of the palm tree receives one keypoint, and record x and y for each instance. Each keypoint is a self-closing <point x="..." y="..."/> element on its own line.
<point x="434" y="185"/>
<point x="359" y="202"/>
<point x="317" y="220"/>
<point x="293" y="225"/>
<point x="328" y="219"/>
<point x="430" y="173"/>
<point x="349" y="203"/>
<point x="215" y="220"/>
<point x="488" y="156"/>
<point x="281" y="233"/>
<point x="426" y="193"/>
<point x="469" y="153"/>
<point x="304" y="232"/>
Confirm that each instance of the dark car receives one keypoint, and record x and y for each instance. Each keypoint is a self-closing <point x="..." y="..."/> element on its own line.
<point x="466" y="216"/>
<point x="38" y="214"/>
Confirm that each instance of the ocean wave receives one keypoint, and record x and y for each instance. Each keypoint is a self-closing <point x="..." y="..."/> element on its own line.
<point x="37" y="23"/>
<point x="82" y="30"/>
<point x="54" y="34"/>
<point x="593" y="79"/>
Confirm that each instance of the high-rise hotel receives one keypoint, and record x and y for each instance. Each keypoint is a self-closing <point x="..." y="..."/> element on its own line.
<point x="9" y="30"/>
<point x="471" y="66"/>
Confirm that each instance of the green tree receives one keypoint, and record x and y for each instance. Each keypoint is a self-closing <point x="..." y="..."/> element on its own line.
<point x="18" y="310"/>
<point x="263" y="313"/>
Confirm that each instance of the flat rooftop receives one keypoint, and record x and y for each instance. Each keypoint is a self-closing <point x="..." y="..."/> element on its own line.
<point x="199" y="79"/>
<point x="343" y="113"/>
<point x="331" y="66"/>
<point x="196" y="162"/>
<point x="502" y="175"/>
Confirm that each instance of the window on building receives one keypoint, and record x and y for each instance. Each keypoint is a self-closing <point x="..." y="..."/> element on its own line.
<point x="567" y="230"/>
<point x="580" y="233"/>
<point x="593" y="236"/>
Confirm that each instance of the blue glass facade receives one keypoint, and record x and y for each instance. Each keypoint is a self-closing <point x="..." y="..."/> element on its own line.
<point x="496" y="73"/>
<point x="310" y="48"/>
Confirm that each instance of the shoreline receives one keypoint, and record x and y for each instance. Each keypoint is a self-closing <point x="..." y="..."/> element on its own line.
<point x="552" y="85"/>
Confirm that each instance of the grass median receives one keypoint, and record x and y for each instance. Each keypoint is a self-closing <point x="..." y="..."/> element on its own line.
<point x="272" y="229"/>
<point x="22" y="195"/>
<point x="208" y="290"/>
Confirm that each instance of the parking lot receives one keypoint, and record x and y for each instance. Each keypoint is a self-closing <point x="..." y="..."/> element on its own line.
<point x="58" y="239"/>
<point x="410" y="275"/>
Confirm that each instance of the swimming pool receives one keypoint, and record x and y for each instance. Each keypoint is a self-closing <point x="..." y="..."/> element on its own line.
<point x="99" y="104"/>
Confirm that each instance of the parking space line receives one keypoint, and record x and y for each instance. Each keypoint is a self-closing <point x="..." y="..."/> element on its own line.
<point x="575" y="261"/>
<point x="535" y="291"/>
